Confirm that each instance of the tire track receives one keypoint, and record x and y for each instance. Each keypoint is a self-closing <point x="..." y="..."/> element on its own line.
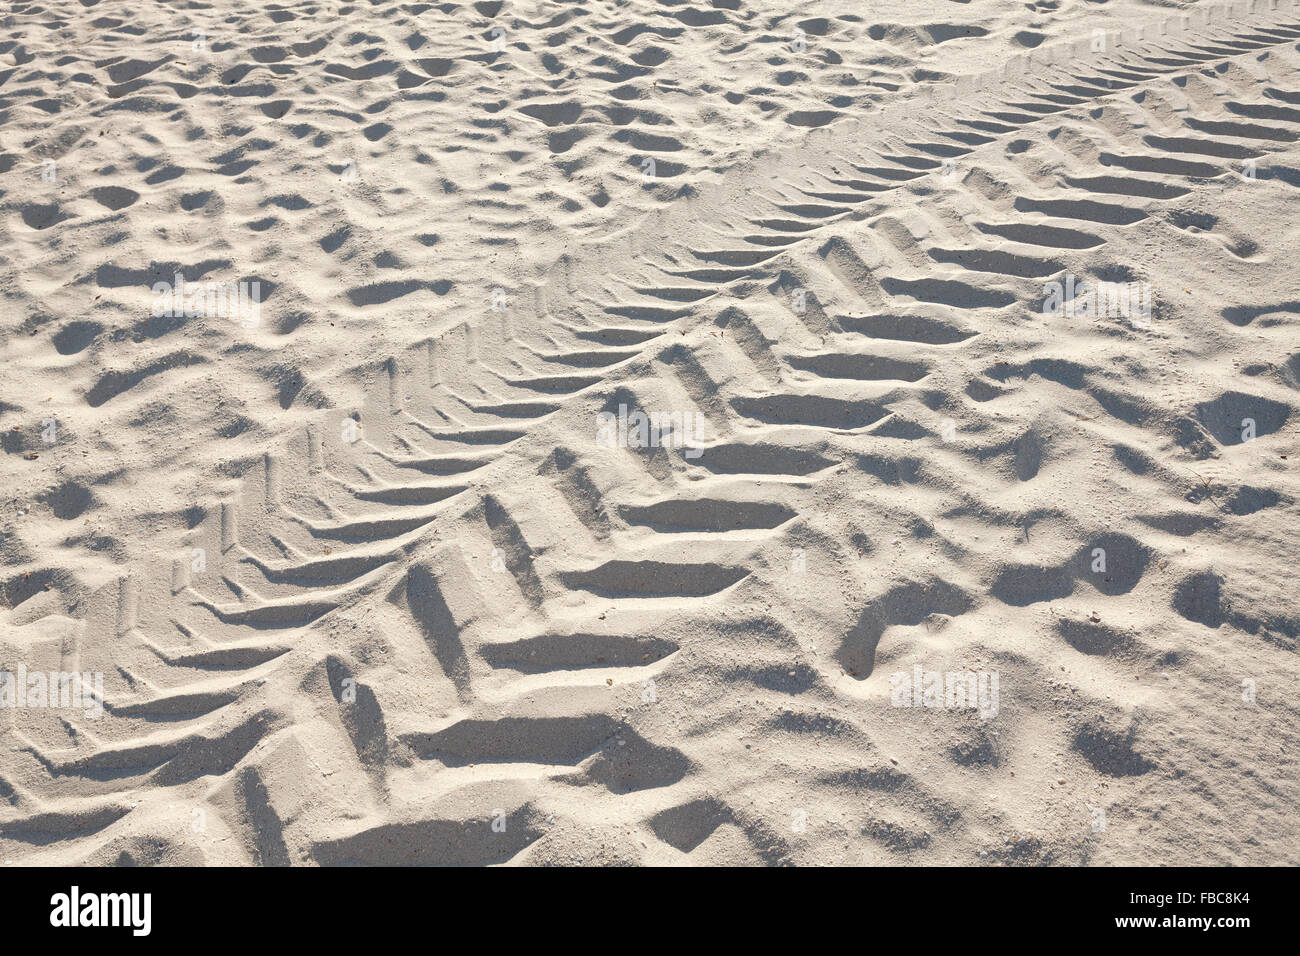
<point x="625" y="574"/>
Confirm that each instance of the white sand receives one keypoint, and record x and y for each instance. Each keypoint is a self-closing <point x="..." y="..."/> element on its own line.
<point x="367" y="574"/>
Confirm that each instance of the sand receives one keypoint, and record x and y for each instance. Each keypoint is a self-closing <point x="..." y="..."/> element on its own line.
<point x="664" y="433"/>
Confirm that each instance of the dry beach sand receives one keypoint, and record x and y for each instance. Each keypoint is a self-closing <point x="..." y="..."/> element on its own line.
<point x="390" y="568"/>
